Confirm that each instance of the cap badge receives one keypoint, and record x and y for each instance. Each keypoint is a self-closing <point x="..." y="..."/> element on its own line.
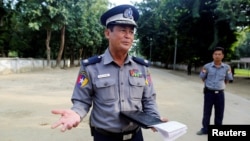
<point x="128" y="13"/>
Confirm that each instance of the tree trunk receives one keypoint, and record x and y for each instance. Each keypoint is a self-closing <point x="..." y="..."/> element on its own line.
<point x="216" y="38"/>
<point x="2" y="54"/>
<point x="59" y="57"/>
<point x="196" y="9"/>
<point x="80" y="55"/>
<point x="48" y="47"/>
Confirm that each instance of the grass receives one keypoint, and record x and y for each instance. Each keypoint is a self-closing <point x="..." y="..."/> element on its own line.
<point x="242" y="72"/>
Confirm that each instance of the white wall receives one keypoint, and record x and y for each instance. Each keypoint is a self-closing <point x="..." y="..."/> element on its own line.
<point x="20" y="65"/>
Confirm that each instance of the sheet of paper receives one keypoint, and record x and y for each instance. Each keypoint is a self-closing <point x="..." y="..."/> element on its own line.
<point x="171" y="130"/>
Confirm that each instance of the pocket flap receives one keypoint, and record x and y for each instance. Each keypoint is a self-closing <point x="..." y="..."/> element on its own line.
<point x="105" y="83"/>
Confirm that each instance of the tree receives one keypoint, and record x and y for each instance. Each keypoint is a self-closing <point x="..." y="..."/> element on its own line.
<point x="237" y="13"/>
<point x="195" y="24"/>
<point x="80" y="16"/>
<point x="84" y="33"/>
<point x="159" y="25"/>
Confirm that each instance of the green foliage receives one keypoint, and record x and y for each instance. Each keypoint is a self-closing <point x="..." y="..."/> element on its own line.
<point x="235" y="11"/>
<point x="244" y="46"/>
<point x="194" y="26"/>
<point x="241" y="47"/>
<point x="242" y="72"/>
<point x="13" y="54"/>
<point x="34" y="25"/>
<point x="31" y="19"/>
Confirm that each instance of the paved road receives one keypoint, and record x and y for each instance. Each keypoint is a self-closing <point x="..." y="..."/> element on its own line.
<point x="27" y="99"/>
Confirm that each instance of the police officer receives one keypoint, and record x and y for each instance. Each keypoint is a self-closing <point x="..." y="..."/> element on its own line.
<point x="215" y="76"/>
<point x="111" y="83"/>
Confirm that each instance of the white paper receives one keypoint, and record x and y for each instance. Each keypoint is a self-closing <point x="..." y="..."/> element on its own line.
<point x="171" y="130"/>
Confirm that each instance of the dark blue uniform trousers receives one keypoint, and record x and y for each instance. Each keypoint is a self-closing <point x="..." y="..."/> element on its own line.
<point x="218" y="101"/>
<point x="101" y="137"/>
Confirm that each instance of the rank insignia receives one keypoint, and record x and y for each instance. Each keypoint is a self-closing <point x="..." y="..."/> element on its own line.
<point x="82" y="79"/>
<point x="135" y="73"/>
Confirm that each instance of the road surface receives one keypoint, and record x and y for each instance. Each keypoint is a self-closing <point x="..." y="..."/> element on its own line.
<point x="26" y="100"/>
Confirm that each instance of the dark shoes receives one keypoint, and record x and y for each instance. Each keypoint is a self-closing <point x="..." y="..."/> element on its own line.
<point x="201" y="133"/>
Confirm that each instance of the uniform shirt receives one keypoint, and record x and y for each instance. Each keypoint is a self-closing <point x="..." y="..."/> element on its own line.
<point x="109" y="89"/>
<point x="215" y="77"/>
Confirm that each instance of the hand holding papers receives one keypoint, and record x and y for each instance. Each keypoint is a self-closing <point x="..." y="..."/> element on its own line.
<point x="170" y="130"/>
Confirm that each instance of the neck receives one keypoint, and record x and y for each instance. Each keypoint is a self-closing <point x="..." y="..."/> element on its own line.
<point x="119" y="58"/>
<point x="217" y="63"/>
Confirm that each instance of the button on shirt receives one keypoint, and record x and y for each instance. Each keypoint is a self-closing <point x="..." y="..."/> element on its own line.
<point x="109" y="89"/>
<point x="215" y="77"/>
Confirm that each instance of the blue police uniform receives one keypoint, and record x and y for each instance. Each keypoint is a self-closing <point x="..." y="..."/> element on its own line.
<point x="109" y="89"/>
<point x="214" y="80"/>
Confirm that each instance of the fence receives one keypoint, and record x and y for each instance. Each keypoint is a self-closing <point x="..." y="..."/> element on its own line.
<point x="20" y="65"/>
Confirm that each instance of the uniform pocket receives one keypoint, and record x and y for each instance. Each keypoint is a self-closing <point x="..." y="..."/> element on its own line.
<point x="222" y="76"/>
<point x="136" y="87"/>
<point x="106" y="90"/>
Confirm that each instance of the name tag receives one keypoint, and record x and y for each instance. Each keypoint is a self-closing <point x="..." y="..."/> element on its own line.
<point x="103" y="75"/>
<point x="127" y="137"/>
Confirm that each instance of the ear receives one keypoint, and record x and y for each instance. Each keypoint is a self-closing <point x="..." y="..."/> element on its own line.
<point x="106" y="33"/>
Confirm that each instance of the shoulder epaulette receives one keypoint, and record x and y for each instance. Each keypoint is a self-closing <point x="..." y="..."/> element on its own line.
<point x="141" y="61"/>
<point x="92" y="60"/>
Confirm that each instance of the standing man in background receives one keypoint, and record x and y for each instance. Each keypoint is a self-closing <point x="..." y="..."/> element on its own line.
<point x="189" y="68"/>
<point x="111" y="83"/>
<point x="215" y="76"/>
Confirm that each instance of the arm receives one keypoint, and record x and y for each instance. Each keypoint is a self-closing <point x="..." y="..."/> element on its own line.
<point x="229" y="75"/>
<point x="203" y="74"/>
<point x="81" y="103"/>
<point x="149" y="100"/>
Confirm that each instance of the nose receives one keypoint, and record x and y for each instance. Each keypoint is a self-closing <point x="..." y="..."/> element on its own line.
<point x="129" y="34"/>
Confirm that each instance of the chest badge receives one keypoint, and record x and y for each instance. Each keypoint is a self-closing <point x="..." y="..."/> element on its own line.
<point x="135" y="73"/>
<point x="103" y="75"/>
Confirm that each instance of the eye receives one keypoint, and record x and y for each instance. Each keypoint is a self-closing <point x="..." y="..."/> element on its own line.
<point x="123" y="30"/>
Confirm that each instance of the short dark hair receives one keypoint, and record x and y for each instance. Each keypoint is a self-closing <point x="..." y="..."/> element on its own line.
<point x="218" y="49"/>
<point x="110" y="26"/>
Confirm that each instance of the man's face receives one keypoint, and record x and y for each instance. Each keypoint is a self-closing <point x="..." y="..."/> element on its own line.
<point x="121" y="38"/>
<point x="218" y="55"/>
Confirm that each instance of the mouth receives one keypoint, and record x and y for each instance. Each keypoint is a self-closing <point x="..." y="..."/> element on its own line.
<point x="126" y="43"/>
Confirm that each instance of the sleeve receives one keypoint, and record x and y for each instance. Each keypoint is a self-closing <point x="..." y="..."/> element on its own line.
<point x="149" y="96"/>
<point x="203" y="73"/>
<point x="81" y="97"/>
<point x="229" y="74"/>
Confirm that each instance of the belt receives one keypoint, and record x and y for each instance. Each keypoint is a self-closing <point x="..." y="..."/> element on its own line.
<point x="124" y="135"/>
<point x="213" y="91"/>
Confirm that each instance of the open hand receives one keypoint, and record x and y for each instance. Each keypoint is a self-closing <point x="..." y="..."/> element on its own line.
<point x="68" y="120"/>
